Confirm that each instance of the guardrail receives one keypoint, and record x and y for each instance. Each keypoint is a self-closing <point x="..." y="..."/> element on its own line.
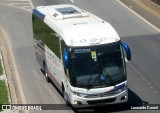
<point x="156" y="1"/>
<point x="149" y="6"/>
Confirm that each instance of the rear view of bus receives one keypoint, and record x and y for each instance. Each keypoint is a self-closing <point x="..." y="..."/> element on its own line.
<point x="81" y="54"/>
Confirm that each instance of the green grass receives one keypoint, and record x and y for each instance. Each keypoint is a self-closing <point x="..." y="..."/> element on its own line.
<point x="1" y="69"/>
<point x="3" y="93"/>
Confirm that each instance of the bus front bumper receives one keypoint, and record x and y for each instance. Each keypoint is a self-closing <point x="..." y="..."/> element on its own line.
<point x="87" y="102"/>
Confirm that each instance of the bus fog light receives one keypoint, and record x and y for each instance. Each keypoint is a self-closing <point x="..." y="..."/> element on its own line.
<point x="77" y="102"/>
<point x="124" y="97"/>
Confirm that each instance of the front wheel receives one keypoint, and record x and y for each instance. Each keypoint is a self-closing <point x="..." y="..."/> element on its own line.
<point x="65" y="97"/>
<point x="46" y="74"/>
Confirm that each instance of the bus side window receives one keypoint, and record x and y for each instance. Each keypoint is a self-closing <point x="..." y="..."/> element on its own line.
<point x="45" y="35"/>
<point x="37" y="23"/>
<point x="52" y="41"/>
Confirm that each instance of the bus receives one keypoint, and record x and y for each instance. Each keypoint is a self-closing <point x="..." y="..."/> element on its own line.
<point x="81" y="54"/>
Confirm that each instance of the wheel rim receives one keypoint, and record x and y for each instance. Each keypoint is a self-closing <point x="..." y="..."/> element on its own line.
<point x="45" y="70"/>
<point x="65" y="97"/>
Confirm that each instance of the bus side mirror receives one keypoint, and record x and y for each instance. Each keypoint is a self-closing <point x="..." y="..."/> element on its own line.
<point x="66" y="59"/>
<point x="127" y="49"/>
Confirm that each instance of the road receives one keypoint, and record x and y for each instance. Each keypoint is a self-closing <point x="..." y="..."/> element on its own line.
<point x="143" y="71"/>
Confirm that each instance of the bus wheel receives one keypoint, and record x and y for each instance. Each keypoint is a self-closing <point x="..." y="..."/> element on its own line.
<point x="65" y="96"/>
<point x="46" y="74"/>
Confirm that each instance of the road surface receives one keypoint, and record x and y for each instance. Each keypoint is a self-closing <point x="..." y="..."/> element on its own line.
<point x="143" y="71"/>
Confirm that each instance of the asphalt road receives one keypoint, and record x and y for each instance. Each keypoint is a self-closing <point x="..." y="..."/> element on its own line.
<point x="143" y="71"/>
<point x="18" y="26"/>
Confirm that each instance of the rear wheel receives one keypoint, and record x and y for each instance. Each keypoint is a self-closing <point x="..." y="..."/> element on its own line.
<point x="46" y="73"/>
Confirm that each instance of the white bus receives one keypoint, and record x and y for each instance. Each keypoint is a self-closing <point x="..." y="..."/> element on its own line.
<point x="81" y="54"/>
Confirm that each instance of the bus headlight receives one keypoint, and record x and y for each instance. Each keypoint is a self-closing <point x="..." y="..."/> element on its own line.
<point x="79" y="94"/>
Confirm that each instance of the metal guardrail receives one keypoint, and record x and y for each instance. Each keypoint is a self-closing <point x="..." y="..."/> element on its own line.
<point x="156" y="1"/>
<point x="150" y="6"/>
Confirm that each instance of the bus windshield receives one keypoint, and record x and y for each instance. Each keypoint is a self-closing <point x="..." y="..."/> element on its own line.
<point x="98" y="66"/>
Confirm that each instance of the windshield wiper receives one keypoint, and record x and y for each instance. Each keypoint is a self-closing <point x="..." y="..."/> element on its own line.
<point x="109" y="76"/>
<point x="90" y="78"/>
<point x="106" y="72"/>
<point x="88" y="83"/>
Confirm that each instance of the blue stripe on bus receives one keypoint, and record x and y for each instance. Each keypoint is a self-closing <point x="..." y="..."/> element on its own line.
<point x="39" y="14"/>
<point x="119" y="87"/>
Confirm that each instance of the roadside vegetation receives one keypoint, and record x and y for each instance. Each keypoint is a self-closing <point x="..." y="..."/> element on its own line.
<point x="3" y="93"/>
<point x="3" y="89"/>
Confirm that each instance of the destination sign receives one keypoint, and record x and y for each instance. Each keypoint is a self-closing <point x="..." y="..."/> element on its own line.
<point x="82" y="50"/>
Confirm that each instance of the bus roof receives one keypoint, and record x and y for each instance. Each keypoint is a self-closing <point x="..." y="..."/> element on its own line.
<point x="76" y="26"/>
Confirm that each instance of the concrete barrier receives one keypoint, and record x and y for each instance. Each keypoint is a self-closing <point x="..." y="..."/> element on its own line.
<point x="149" y="6"/>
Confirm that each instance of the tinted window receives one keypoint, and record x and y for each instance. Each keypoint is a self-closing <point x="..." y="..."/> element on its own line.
<point x="45" y="35"/>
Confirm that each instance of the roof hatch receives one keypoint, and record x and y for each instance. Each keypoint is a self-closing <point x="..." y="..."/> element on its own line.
<point x="68" y="11"/>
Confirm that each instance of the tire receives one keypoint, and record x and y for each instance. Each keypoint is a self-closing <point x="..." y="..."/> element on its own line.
<point x="46" y="74"/>
<point x="65" y="96"/>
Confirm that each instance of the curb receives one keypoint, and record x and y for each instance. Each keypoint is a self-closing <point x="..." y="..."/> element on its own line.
<point x="139" y="16"/>
<point x="7" y="71"/>
<point x="14" y="3"/>
<point x="4" y="77"/>
<point x="150" y="6"/>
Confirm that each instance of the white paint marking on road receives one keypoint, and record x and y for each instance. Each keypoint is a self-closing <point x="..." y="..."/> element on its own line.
<point x="150" y="24"/>
<point x="143" y="78"/>
<point x="31" y="4"/>
<point x="26" y="5"/>
<point x="72" y="1"/>
<point x="148" y="83"/>
<point x="156" y="91"/>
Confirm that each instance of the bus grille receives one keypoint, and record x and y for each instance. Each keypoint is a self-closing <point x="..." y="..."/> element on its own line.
<point x="105" y="101"/>
<point x="101" y="95"/>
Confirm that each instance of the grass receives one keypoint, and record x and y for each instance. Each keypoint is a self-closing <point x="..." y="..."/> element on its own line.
<point x="3" y="93"/>
<point x="3" y="90"/>
<point x="1" y="69"/>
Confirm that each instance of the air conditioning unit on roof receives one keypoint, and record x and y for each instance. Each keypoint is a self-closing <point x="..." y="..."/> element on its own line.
<point x="68" y="12"/>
